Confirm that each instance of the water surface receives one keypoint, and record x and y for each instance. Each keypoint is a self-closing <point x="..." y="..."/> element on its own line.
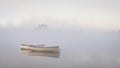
<point x="78" y="49"/>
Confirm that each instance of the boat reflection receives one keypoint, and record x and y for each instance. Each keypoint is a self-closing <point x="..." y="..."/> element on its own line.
<point x="41" y="53"/>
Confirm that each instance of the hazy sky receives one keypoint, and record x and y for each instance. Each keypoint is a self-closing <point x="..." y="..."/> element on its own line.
<point x="101" y="14"/>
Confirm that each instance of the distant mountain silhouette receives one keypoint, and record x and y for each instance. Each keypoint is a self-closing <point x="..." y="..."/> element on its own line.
<point x="42" y="26"/>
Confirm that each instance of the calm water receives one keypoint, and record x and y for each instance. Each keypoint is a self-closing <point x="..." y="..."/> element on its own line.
<point x="78" y="49"/>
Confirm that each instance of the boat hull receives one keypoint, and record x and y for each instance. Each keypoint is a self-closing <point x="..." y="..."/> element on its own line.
<point x="42" y="49"/>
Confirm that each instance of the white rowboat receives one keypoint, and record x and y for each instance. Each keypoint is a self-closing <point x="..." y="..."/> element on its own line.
<point x="40" y="48"/>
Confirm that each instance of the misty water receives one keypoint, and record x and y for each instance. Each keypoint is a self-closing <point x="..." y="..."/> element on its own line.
<point x="79" y="49"/>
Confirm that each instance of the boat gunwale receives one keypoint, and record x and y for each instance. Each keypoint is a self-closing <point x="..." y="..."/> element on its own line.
<point x="39" y="46"/>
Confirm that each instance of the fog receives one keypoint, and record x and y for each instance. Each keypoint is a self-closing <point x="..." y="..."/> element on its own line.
<point x="78" y="48"/>
<point x="59" y="36"/>
<point x="87" y="32"/>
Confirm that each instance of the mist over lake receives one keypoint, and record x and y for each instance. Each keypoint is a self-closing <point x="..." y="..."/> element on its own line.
<point x="84" y="49"/>
<point x="87" y="33"/>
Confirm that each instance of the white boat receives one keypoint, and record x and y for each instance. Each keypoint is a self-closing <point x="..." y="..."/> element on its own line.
<point x="40" y="48"/>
